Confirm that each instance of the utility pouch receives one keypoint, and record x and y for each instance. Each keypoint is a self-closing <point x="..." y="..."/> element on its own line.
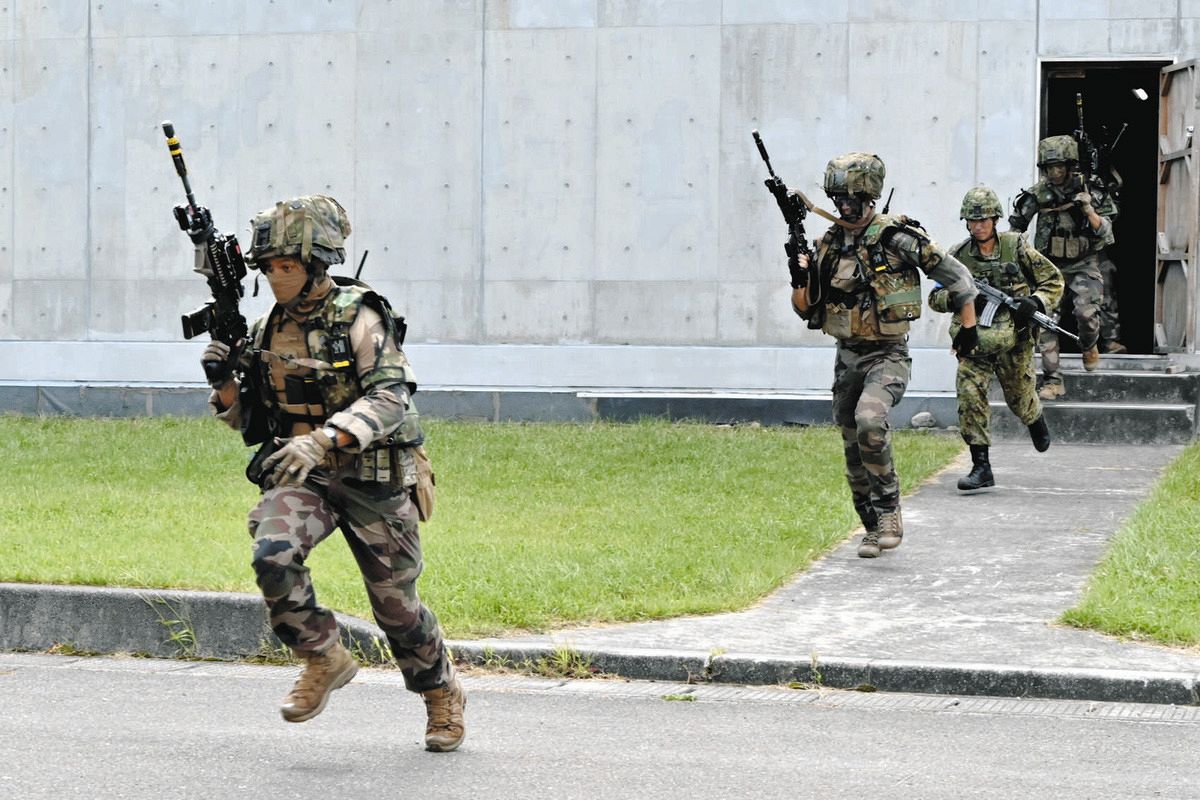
<point x="424" y="489"/>
<point x="375" y="465"/>
<point x="255" y="473"/>
<point x="1058" y="246"/>
<point x="1074" y="247"/>
<point x="897" y="296"/>
<point x="301" y="391"/>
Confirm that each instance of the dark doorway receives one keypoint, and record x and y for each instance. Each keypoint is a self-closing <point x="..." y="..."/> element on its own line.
<point x="1110" y="100"/>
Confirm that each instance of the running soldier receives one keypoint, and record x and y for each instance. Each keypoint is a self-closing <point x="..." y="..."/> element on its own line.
<point x="864" y="290"/>
<point x="1074" y="225"/>
<point x="324" y="375"/>
<point x="1009" y="263"/>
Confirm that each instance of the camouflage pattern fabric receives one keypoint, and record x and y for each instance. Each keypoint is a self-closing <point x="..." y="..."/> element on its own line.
<point x="308" y="226"/>
<point x="1014" y="369"/>
<point x="1085" y="294"/>
<point x="380" y="525"/>
<point x="868" y="379"/>
<point x="1110" y="313"/>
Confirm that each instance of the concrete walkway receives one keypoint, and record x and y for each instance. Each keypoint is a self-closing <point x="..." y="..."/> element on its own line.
<point x="966" y="605"/>
<point x="971" y="597"/>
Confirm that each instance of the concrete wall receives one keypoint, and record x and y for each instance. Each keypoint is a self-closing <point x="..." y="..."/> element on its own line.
<point x="524" y="172"/>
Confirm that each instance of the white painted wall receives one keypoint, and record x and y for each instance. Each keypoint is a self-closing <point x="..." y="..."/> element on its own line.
<point x="565" y="187"/>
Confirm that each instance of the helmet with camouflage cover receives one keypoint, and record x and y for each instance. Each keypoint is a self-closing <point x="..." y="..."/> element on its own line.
<point x="980" y="202"/>
<point x="312" y="228"/>
<point x="854" y="174"/>
<point x="1057" y="150"/>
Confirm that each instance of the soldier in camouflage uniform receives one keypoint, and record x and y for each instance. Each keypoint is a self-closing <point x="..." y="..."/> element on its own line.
<point x="1074" y="225"/>
<point x="864" y="290"/>
<point x="1009" y="263"/>
<point x="323" y="381"/>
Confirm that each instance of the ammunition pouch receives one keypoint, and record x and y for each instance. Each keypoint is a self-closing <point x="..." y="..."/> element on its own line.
<point x="1068" y="247"/>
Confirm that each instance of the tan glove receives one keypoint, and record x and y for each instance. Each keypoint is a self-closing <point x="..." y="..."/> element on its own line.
<point x="299" y="455"/>
<point x="1084" y="201"/>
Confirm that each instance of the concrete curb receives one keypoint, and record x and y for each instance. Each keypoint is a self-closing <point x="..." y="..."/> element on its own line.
<point x="175" y="624"/>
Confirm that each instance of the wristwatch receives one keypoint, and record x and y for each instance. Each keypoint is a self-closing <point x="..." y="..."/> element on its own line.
<point x="332" y="433"/>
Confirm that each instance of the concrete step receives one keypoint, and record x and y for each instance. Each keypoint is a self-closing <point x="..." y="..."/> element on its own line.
<point x="1104" y="423"/>
<point x="1126" y="386"/>
<point x="1125" y="362"/>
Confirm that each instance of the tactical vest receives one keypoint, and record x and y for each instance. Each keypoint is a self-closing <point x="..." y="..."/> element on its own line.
<point x="869" y="293"/>
<point x="1062" y="232"/>
<point x="305" y="370"/>
<point x="1004" y="273"/>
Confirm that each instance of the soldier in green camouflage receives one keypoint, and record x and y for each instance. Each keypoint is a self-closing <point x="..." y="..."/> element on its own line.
<point x="1009" y="263"/>
<point x="864" y="290"/>
<point x="1074" y="225"/>
<point x="324" y="370"/>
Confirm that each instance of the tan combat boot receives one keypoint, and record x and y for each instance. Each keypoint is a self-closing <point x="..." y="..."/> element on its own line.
<point x="1052" y="391"/>
<point x="323" y="672"/>
<point x="891" y="529"/>
<point x="1115" y="348"/>
<point x="1091" y="359"/>
<point x="444" y="730"/>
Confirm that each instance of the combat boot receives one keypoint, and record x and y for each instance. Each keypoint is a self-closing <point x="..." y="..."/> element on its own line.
<point x="1039" y="432"/>
<point x="323" y="672"/>
<point x="980" y="476"/>
<point x="1051" y="391"/>
<point x="869" y="546"/>
<point x="444" y="730"/>
<point x="891" y="529"/>
<point x="1091" y="358"/>
<point x="1115" y="348"/>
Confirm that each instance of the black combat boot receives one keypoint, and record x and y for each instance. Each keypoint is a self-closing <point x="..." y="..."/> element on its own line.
<point x="980" y="476"/>
<point x="1040" y="433"/>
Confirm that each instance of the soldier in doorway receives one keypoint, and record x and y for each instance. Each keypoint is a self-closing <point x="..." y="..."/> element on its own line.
<point x="1009" y="263"/>
<point x="863" y="289"/>
<point x="1074" y="225"/>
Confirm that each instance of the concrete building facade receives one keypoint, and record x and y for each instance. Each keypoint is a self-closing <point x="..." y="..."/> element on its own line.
<point x="559" y="194"/>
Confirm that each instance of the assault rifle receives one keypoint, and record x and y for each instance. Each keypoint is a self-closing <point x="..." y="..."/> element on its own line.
<point x="793" y="208"/>
<point x="225" y="270"/>
<point x="1096" y="159"/>
<point x="997" y="298"/>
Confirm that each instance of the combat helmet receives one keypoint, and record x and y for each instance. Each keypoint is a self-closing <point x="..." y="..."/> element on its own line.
<point x="855" y="174"/>
<point x="1057" y="150"/>
<point x="313" y="228"/>
<point x="980" y="202"/>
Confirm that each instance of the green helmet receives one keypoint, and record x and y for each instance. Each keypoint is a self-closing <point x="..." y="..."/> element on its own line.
<point x="980" y="202"/>
<point x="855" y="173"/>
<point x="1057" y="150"/>
<point x="312" y="227"/>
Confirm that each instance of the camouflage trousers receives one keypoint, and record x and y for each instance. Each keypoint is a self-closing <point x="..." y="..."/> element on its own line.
<point x="1014" y="369"/>
<point x="868" y="379"/>
<point x="1085" y="291"/>
<point x="380" y="526"/>
<point x="1110" y="319"/>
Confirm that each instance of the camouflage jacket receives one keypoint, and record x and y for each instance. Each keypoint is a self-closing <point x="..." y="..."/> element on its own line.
<point x="1016" y="268"/>
<point x="1063" y="232"/>
<point x="868" y="282"/>
<point x="340" y="363"/>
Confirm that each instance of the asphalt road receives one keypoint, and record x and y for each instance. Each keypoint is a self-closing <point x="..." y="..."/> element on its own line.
<point x="137" y="728"/>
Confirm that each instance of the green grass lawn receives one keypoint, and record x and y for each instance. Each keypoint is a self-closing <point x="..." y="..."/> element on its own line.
<point x="1147" y="584"/>
<point x="537" y="526"/>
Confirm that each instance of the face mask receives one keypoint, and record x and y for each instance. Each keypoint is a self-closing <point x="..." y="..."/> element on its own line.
<point x="286" y="286"/>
